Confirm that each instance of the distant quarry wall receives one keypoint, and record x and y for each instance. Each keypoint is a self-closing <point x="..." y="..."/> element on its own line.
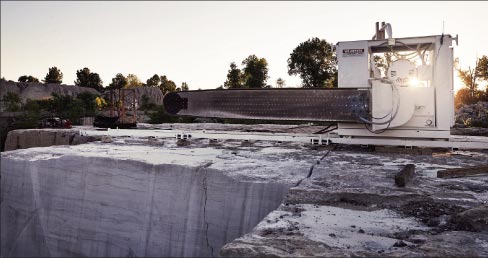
<point x="72" y="206"/>
<point x="38" y="91"/>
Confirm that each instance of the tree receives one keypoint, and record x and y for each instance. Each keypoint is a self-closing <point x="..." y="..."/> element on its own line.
<point x="482" y="68"/>
<point x="315" y="63"/>
<point x="96" y="82"/>
<point x="184" y="86"/>
<point x="167" y="85"/>
<point x="12" y="101"/>
<point x="89" y="103"/>
<point x="133" y="81"/>
<point x="118" y="82"/>
<point x="463" y="96"/>
<point x="280" y="83"/>
<point x="234" y="77"/>
<point x="28" y="78"/>
<point x="54" y="76"/>
<point x="85" y="78"/>
<point x="469" y="78"/>
<point x="255" y="72"/>
<point x="153" y="81"/>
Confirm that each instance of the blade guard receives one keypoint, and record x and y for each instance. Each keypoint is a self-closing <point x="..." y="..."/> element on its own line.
<point x="173" y="103"/>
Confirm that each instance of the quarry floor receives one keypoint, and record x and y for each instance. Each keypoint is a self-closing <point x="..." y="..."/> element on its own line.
<point x="277" y="199"/>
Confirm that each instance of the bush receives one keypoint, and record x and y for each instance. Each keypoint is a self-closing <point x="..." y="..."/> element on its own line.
<point x="474" y="115"/>
<point x="145" y="104"/>
<point x="159" y="116"/>
<point x="12" y="101"/>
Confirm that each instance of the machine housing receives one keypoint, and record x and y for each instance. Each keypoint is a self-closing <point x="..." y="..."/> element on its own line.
<point x="411" y="86"/>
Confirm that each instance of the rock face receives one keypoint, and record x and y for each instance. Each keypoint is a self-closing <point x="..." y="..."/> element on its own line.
<point x="28" y="138"/>
<point x="154" y="94"/>
<point x="65" y="206"/>
<point x="36" y="91"/>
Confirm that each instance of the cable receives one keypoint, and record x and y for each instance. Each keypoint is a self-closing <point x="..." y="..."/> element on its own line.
<point x="326" y="129"/>
<point x="310" y="171"/>
<point x="391" y="112"/>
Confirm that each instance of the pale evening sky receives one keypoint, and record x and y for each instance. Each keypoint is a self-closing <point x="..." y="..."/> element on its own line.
<point x="195" y="42"/>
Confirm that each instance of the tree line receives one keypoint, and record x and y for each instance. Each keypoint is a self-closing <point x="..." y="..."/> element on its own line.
<point x="313" y="60"/>
<point x="86" y="78"/>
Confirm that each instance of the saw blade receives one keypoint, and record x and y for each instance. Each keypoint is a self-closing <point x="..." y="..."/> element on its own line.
<point x="271" y="104"/>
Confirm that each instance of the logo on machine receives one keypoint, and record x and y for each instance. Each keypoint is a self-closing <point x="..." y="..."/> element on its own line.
<point x="353" y="52"/>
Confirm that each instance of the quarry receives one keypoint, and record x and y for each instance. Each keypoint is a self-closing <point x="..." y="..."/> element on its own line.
<point x="109" y="194"/>
<point x="371" y="160"/>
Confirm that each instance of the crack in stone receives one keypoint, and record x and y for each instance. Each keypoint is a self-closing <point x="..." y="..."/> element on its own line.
<point x="205" y="205"/>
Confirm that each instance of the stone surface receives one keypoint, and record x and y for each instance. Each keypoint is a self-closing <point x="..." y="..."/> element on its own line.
<point x="28" y="138"/>
<point x="154" y="94"/>
<point x="352" y="187"/>
<point x="475" y="219"/>
<point x="405" y="175"/>
<point x="148" y="196"/>
<point x="128" y="199"/>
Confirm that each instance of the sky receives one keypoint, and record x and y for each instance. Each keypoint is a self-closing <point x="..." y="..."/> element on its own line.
<point x="195" y="42"/>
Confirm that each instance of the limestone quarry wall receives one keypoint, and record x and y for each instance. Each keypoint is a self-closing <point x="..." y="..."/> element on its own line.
<point x="81" y="206"/>
<point x="37" y="91"/>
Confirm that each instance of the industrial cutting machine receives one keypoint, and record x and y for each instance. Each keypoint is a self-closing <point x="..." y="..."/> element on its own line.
<point x="389" y="90"/>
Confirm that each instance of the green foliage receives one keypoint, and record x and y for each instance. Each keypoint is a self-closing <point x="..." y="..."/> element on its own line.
<point x="118" y="82"/>
<point x="159" y="116"/>
<point x="28" y="78"/>
<point x="67" y="107"/>
<point x="85" y="78"/>
<point x="146" y="104"/>
<point x="133" y="81"/>
<point x="255" y="72"/>
<point x="88" y="102"/>
<point x="31" y="105"/>
<point x="164" y="84"/>
<point x="315" y="62"/>
<point x="470" y="77"/>
<point x="153" y="81"/>
<point x="234" y="77"/>
<point x="54" y="76"/>
<point x="12" y="101"/>
<point x="482" y="68"/>
<point x="167" y="85"/>
<point x="184" y="86"/>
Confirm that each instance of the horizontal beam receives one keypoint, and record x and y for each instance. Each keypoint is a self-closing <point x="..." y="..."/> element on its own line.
<point x="455" y="142"/>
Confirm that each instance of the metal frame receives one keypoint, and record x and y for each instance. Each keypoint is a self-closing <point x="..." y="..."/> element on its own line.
<point x="454" y="142"/>
<point x="353" y="72"/>
<point x="127" y="98"/>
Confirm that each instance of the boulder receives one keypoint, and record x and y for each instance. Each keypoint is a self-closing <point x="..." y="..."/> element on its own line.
<point x="475" y="219"/>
